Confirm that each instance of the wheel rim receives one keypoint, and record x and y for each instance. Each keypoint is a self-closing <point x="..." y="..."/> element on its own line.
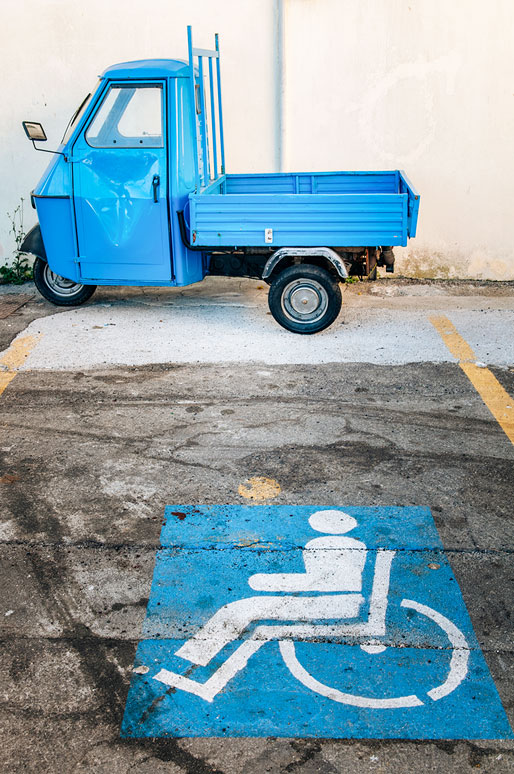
<point x="304" y="300"/>
<point x="60" y="285"/>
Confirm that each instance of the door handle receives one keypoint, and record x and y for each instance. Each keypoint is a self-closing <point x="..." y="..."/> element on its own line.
<point x="156" y="181"/>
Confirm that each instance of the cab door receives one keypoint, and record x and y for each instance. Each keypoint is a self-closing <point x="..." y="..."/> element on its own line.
<point x="120" y="182"/>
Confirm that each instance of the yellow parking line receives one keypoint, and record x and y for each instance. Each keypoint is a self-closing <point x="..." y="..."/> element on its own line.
<point x="14" y="358"/>
<point x="497" y="400"/>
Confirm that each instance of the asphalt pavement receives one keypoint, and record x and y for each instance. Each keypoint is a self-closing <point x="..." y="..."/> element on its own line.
<point x="144" y="399"/>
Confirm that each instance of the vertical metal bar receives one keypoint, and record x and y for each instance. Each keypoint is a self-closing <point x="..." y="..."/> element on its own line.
<point x="220" y="110"/>
<point x="193" y="106"/>
<point x="203" y="125"/>
<point x="213" y="120"/>
<point x="279" y="79"/>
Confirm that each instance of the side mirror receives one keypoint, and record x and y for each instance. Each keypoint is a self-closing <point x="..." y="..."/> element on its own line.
<point x="34" y="131"/>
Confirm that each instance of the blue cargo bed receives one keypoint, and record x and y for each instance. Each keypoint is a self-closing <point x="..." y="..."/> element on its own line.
<point x="332" y="209"/>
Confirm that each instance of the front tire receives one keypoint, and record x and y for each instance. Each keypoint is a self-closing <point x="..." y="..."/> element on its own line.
<point x="59" y="290"/>
<point x="304" y="298"/>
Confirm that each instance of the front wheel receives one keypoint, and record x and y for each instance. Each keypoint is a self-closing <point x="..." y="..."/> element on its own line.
<point x="57" y="289"/>
<point x="304" y="298"/>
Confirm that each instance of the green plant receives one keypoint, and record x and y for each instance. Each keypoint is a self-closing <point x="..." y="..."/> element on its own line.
<point x="18" y="270"/>
<point x="351" y="279"/>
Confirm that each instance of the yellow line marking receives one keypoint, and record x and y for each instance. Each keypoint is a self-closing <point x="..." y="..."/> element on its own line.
<point x="497" y="400"/>
<point x="14" y="357"/>
<point x="259" y="488"/>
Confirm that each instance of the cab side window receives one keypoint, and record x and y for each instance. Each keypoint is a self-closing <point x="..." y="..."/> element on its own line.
<point x="128" y="117"/>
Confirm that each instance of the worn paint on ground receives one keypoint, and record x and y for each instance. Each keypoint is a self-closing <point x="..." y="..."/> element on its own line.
<point x="495" y="397"/>
<point x="14" y="357"/>
<point x="380" y="647"/>
<point x="259" y="488"/>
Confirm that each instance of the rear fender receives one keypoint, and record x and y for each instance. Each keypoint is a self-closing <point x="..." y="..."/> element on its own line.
<point x="320" y="254"/>
<point x="33" y="243"/>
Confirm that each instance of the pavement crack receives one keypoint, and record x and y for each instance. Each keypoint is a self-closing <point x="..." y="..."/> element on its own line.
<point x="369" y="549"/>
<point x="239" y="546"/>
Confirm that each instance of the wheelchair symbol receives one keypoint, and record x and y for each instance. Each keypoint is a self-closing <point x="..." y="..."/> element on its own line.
<point x="333" y="570"/>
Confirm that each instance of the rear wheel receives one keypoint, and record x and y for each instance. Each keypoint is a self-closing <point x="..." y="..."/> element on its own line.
<point x="57" y="289"/>
<point x="304" y="298"/>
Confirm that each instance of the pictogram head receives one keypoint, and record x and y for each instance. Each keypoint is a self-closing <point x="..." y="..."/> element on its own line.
<point x="333" y="522"/>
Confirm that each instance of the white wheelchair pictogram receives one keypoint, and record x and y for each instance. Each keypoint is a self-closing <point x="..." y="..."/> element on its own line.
<point x="334" y="566"/>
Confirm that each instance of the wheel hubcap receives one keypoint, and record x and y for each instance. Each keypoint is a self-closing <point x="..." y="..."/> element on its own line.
<point x="304" y="300"/>
<point x="60" y="285"/>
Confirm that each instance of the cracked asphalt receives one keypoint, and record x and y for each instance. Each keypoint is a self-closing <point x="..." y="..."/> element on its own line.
<point x="94" y="445"/>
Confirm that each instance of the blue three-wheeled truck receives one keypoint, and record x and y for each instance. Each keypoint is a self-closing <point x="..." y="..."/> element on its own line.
<point x="137" y="194"/>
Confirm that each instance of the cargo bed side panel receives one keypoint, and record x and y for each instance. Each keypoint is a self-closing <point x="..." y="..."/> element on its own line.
<point x="299" y="220"/>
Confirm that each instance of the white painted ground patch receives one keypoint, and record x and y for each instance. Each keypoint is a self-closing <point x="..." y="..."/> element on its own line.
<point x="190" y="326"/>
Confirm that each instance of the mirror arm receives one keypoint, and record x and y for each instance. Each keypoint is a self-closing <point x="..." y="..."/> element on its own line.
<point x="44" y="150"/>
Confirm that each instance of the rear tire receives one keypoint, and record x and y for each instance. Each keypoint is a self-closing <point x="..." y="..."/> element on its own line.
<point x="304" y="298"/>
<point x="59" y="290"/>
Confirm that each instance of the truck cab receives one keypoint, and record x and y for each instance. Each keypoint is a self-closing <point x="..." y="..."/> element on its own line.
<point x="105" y="203"/>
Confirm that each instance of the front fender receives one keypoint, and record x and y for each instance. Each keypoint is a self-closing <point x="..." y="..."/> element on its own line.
<point x="33" y="243"/>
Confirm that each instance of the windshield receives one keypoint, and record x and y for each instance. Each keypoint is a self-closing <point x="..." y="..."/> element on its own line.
<point x="77" y="115"/>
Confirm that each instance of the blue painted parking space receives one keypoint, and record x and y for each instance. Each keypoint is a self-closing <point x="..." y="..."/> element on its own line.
<point x="308" y="621"/>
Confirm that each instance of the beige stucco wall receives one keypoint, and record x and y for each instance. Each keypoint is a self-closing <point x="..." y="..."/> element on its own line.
<point x="421" y="85"/>
<point x="424" y="85"/>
